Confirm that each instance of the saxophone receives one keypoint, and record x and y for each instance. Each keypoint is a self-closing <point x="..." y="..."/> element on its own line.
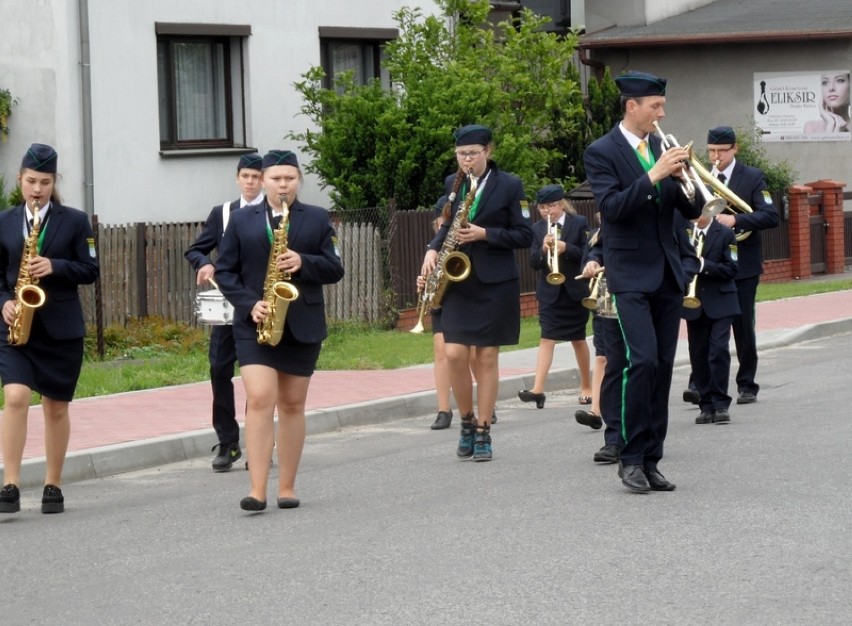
<point x="277" y="292"/>
<point x="28" y="295"/>
<point x="452" y="265"/>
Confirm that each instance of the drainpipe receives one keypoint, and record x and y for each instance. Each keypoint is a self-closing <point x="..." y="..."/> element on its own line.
<point x="597" y="66"/>
<point x="86" y="88"/>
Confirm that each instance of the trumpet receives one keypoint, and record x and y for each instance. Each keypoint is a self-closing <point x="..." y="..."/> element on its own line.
<point x="733" y="203"/>
<point x="713" y="205"/>
<point x="591" y="301"/>
<point x="690" y="300"/>
<point x="599" y="299"/>
<point x="554" y="277"/>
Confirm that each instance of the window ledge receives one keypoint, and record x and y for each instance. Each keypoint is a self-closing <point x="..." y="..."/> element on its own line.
<point x="205" y="152"/>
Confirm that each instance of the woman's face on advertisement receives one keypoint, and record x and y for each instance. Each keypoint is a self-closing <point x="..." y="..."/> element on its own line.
<point x="835" y="90"/>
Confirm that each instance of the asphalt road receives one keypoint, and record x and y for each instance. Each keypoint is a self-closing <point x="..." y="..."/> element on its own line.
<point x="394" y="530"/>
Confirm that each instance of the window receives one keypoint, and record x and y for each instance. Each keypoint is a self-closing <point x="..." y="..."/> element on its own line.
<point x="356" y="50"/>
<point x="200" y="82"/>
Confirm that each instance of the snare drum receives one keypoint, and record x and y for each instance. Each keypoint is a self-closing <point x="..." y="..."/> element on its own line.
<point x="213" y="309"/>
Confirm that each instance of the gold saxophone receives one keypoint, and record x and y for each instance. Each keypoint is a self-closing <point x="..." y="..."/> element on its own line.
<point x="277" y="292"/>
<point x="451" y="265"/>
<point x="28" y="295"/>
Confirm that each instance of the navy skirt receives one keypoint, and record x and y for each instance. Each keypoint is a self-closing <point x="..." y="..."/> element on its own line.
<point x="50" y="367"/>
<point x="564" y="320"/>
<point x="288" y="357"/>
<point x="479" y="314"/>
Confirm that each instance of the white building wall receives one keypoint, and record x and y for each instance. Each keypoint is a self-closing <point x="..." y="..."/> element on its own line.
<point x="132" y="182"/>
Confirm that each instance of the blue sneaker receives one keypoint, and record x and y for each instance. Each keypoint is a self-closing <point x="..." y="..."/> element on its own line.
<point x="468" y="433"/>
<point x="482" y="444"/>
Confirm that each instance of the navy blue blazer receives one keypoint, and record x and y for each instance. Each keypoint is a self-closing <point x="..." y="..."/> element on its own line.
<point x="244" y="258"/>
<point x="69" y="243"/>
<point x="715" y="287"/>
<point x="499" y="213"/>
<point x="637" y="216"/>
<point x="575" y="235"/>
<point x="750" y="185"/>
<point x="198" y="254"/>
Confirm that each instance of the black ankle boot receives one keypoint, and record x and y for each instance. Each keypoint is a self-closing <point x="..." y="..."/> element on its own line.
<point x="482" y="443"/>
<point x="468" y="433"/>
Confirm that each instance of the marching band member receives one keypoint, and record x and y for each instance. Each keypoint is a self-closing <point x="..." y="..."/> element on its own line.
<point x="709" y="325"/>
<point x="277" y="375"/>
<point x="562" y="316"/>
<point x="482" y="312"/>
<point x="748" y="183"/>
<point x="222" y="352"/>
<point x="50" y="360"/>
<point x="631" y="179"/>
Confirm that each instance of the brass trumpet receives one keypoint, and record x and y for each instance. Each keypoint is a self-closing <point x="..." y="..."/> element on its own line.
<point x="554" y="277"/>
<point x="591" y="301"/>
<point x="733" y="203"/>
<point x="713" y="205"/>
<point x="690" y="300"/>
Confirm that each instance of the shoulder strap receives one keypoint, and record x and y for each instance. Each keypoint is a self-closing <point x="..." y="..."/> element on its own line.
<point x="226" y="214"/>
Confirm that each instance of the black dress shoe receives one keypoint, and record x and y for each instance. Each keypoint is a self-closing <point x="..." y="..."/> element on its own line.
<point x="657" y="481"/>
<point x="10" y="499"/>
<point x="288" y="503"/>
<point x="252" y="504"/>
<point x="633" y="477"/>
<point x="746" y="397"/>
<point x="52" y="500"/>
<point x="587" y="418"/>
<point x="722" y="416"/>
<point x="607" y="454"/>
<point x="443" y="420"/>
<point x="494" y="417"/>
<point x="706" y="417"/>
<point x="691" y="396"/>
<point x="529" y="396"/>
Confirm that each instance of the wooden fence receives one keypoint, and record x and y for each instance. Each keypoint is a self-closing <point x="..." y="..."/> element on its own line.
<point x="144" y="273"/>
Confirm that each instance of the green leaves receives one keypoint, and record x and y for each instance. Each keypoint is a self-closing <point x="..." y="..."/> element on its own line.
<point x="448" y="70"/>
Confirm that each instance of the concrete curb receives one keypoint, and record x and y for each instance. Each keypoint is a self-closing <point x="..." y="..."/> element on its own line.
<point x="144" y="454"/>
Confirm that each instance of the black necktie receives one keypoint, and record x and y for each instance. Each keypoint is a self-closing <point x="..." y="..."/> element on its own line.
<point x="722" y="178"/>
<point x="276" y="221"/>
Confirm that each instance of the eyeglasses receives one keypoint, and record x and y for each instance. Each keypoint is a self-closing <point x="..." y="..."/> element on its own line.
<point x="473" y="154"/>
<point x="712" y="150"/>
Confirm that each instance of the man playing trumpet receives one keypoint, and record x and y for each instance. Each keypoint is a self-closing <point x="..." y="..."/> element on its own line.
<point x="633" y="181"/>
<point x="749" y="184"/>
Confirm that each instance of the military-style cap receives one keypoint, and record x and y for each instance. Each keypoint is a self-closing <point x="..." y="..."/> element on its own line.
<point x="639" y="84"/>
<point x="252" y="161"/>
<point x="280" y="157"/>
<point x="41" y="158"/>
<point x="721" y="135"/>
<point x="549" y="193"/>
<point x="473" y="134"/>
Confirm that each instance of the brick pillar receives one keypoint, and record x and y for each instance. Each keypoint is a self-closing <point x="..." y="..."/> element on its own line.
<point x="832" y="212"/>
<point x="800" y="231"/>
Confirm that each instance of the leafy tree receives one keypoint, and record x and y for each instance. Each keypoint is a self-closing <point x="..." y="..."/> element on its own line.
<point x="371" y="147"/>
<point x="779" y="175"/>
<point x="6" y="102"/>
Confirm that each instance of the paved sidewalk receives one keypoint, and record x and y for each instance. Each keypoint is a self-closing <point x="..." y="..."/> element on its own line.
<point x="124" y="432"/>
